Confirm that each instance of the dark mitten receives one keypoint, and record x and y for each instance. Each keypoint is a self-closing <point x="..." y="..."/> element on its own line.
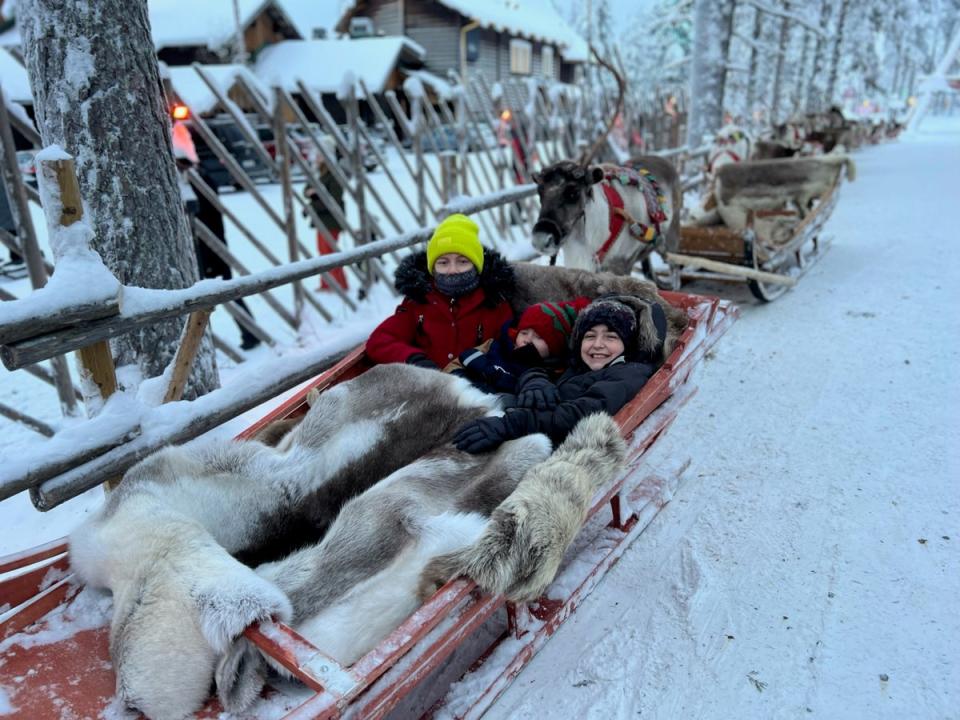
<point x="421" y="360"/>
<point x="480" y="435"/>
<point x="536" y="392"/>
<point x="527" y="355"/>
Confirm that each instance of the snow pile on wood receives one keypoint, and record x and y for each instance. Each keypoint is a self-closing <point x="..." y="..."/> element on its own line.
<point x="321" y="63"/>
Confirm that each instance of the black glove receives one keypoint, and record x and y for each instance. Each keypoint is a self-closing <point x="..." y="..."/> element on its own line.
<point x="527" y="355"/>
<point x="536" y="392"/>
<point x="421" y="360"/>
<point x="482" y="434"/>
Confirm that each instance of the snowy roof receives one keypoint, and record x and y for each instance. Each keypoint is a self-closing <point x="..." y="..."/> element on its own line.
<point x="192" y="90"/>
<point x="13" y="77"/>
<point x="208" y="23"/>
<point x="534" y="19"/>
<point x="321" y="64"/>
<point x="307" y="15"/>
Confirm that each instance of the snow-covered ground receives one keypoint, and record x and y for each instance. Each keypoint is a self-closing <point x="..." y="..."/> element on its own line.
<point x="808" y="565"/>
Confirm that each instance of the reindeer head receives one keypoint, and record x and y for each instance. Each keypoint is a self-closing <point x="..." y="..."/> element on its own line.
<point x="564" y="189"/>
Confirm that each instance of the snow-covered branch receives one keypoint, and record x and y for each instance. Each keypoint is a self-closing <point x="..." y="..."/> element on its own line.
<point x="758" y="46"/>
<point x="793" y="17"/>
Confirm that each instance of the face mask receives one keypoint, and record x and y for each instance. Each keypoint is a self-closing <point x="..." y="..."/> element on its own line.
<point x="458" y="284"/>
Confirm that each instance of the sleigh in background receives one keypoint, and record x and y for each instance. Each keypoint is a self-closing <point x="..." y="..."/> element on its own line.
<point x="452" y="657"/>
<point x="773" y="214"/>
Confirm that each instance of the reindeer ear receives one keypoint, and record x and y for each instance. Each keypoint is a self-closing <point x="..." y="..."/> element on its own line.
<point x="596" y="174"/>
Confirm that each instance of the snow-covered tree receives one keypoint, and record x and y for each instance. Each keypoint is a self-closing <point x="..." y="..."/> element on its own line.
<point x="97" y="93"/>
<point x="713" y="27"/>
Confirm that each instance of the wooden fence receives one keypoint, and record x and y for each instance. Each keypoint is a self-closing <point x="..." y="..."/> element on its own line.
<point x="428" y="157"/>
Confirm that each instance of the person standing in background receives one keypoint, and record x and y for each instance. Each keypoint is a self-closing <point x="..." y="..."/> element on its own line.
<point x="330" y="222"/>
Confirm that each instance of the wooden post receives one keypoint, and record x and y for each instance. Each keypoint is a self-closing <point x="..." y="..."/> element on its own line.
<point x="357" y="176"/>
<point x="96" y="361"/>
<point x="283" y="156"/>
<point x="27" y="237"/>
<point x="186" y="354"/>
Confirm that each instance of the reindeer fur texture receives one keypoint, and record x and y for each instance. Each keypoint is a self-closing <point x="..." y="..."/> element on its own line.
<point x="359" y="583"/>
<point x="163" y="541"/>
<point x="535" y="283"/>
<point x="770" y="184"/>
<point x="524" y="542"/>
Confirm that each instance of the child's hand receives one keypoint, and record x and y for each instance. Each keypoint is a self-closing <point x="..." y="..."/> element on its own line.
<point x="480" y="435"/>
<point x="536" y="392"/>
<point x="421" y="360"/>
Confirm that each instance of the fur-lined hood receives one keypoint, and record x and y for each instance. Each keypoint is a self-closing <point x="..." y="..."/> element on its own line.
<point x="414" y="281"/>
<point x="651" y="330"/>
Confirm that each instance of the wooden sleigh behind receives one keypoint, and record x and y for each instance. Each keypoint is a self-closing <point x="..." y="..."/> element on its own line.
<point x="453" y="657"/>
<point x="769" y="267"/>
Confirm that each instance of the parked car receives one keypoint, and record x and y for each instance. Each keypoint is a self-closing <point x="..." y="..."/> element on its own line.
<point x="305" y="146"/>
<point x="236" y="144"/>
<point x="445" y="138"/>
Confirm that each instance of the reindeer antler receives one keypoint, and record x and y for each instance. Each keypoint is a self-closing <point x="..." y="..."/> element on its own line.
<point x="621" y="90"/>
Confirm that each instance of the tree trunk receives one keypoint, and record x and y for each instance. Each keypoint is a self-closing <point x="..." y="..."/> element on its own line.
<point x="711" y="31"/>
<point x="754" y="78"/>
<point x="97" y="94"/>
<point x="837" y="50"/>
<point x="784" y="46"/>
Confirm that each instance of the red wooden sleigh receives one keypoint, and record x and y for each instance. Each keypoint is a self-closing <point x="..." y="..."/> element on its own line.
<point x="453" y="656"/>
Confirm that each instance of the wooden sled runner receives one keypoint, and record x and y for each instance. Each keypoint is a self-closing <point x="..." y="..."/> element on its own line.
<point x="759" y="255"/>
<point x="54" y="648"/>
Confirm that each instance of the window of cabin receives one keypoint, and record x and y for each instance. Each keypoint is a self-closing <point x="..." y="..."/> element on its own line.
<point x="521" y="56"/>
<point x="546" y="61"/>
<point x="473" y="45"/>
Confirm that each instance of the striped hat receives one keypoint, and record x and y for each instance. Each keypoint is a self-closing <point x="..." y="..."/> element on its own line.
<point x="553" y="321"/>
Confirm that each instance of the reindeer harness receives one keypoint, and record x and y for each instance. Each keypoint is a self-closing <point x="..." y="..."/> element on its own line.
<point x="619" y="216"/>
<point x="731" y="139"/>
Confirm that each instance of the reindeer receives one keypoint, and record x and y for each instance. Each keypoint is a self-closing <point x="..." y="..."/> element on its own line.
<point x="731" y="144"/>
<point x="607" y="217"/>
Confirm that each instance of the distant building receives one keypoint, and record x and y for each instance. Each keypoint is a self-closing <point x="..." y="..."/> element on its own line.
<point x="501" y="41"/>
<point x="204" y="31"/>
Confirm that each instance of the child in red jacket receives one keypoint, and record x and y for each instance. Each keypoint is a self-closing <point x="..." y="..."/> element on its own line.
<point x="455" y="298"/>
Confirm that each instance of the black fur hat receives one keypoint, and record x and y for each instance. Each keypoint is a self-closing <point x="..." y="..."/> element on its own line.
<point x="607" y="311"/>
<point x="641" y="325"/>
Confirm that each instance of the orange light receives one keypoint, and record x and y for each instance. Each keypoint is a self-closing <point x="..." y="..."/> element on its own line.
<point x="180" y="112"/>
<point x="506" y="115"/>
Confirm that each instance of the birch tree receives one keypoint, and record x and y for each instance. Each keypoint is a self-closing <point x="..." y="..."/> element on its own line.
<point x="712" y="27"/>
<point x="97" y="93"/>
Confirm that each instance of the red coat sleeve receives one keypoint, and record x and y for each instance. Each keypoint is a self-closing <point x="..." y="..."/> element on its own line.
<point x="393" y="339"/>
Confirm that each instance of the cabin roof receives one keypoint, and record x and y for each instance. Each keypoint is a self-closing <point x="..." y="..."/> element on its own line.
<point x="532" y="19"/>
<point x="192" y="90"/>
<point x="207" y="23"/>
<point x="324" y="64"/>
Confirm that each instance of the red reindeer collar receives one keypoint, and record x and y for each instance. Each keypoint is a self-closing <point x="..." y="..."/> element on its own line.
<point x="619" y="216"/>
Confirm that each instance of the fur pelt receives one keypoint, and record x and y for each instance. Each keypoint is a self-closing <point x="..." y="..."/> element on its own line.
<point x="413" y="279"/>
<point x="163" y="541"/>
<point x="770" y="184"/>
<point x="349" y="591"/>
<point x="524" y="542"/>
<point x="536" y="283"/>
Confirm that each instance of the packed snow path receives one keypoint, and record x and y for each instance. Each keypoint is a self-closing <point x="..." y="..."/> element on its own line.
<point x="808" y="566"/>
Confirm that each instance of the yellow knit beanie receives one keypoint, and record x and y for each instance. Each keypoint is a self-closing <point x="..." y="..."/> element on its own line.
<point x="457" y="234"/>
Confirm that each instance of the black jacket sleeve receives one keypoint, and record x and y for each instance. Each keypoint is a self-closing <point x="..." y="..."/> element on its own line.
<point x="608" y="394"/>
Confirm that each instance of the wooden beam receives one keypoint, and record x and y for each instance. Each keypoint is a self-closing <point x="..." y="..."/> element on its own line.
<point x="186" y="354"/>
<point x="30" y="422"/>
<point x="728" y="269"/>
